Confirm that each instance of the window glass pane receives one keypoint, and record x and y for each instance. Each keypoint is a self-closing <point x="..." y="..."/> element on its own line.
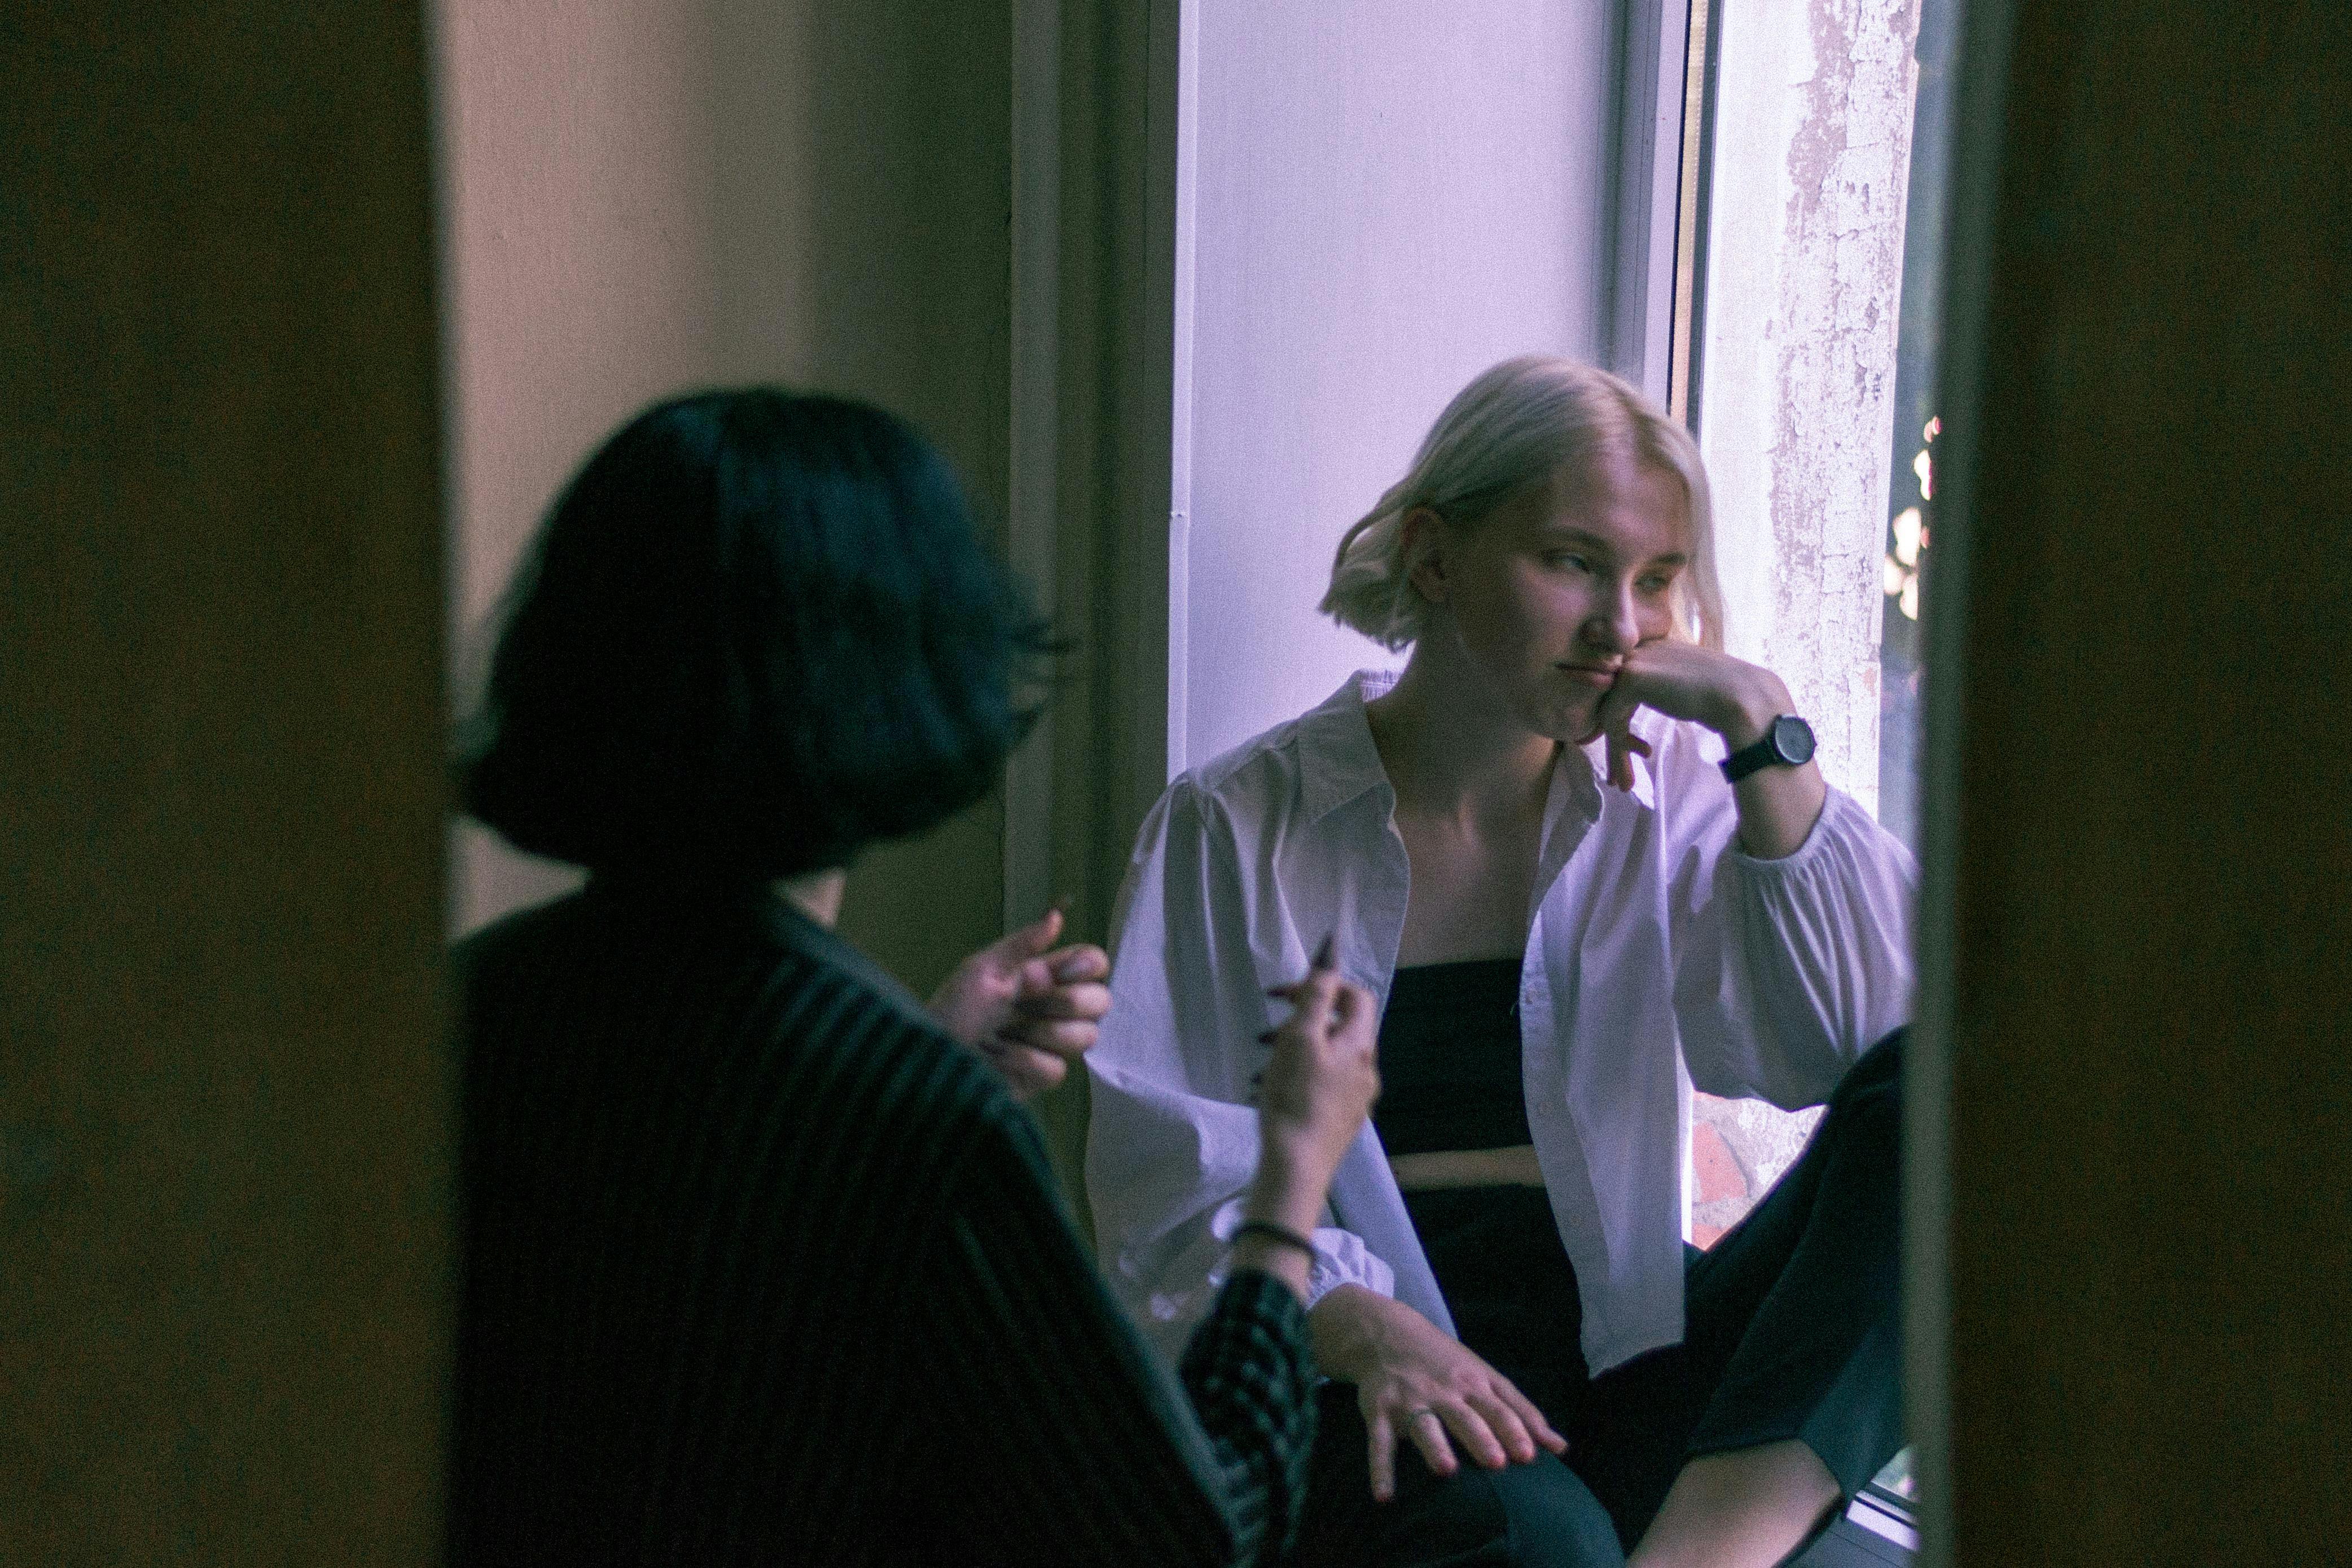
<point x="1794" y="308"/>
<point x="1814" y="322"/>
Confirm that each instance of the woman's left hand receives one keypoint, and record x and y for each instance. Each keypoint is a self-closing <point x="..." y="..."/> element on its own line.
<point x="1778" y="806"/>
<point x="1682" y="680"/>
<point x="1030" y="1008"/>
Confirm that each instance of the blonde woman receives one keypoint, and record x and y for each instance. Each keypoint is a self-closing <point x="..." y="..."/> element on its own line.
<point x="1585" y="860"/>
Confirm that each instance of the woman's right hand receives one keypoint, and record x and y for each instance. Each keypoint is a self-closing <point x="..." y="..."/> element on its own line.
<point x="1414" y="1379"/>
<point x="1312" y="1099"/>
<point x="1321" y="1081"/>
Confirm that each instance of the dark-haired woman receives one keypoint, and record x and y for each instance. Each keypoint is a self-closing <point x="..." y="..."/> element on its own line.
<point x="760" y="1264"/>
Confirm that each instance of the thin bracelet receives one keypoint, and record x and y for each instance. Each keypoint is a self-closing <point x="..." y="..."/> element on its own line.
<point x="1281" y="1235"/>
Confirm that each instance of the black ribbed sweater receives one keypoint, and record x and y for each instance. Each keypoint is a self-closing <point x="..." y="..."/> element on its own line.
<point x="759" y="1266"/>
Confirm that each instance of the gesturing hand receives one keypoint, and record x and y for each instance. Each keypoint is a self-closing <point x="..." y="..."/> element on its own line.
<point x="1030" y="1008"/>
<point x="1414" y="1378"/>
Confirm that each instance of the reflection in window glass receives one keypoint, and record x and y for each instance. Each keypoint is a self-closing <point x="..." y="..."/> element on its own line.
<point x="1898" y="1479"/>
<point x="1911" y="492"/>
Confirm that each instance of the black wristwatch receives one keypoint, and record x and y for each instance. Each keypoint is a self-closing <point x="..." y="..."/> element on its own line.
<point x="1788" y="743"/>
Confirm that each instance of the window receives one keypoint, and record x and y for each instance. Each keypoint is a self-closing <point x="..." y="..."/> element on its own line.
<point x="1806" y="333"/>
<point x="1808" y="320"/>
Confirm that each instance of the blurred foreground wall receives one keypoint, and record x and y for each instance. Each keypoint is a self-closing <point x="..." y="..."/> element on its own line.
<point x="223" y="1111"/>
<point x="2143" y="718"/>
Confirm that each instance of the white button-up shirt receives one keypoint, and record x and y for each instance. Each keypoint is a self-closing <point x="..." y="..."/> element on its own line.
<point x="1658" y="957"/>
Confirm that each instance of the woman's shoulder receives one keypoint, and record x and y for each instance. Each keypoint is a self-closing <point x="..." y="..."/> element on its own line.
<point x="853" y="1011"/>
<point x="748" y="987"/>
<point x="875" y="1067"/>
<point x="1321" y="756"/>
<point x="931" y="1097"/>
<point x="1255" y="769"/>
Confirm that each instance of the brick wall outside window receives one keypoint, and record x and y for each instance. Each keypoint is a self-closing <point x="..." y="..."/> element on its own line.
<point x="1739" y="1149"/>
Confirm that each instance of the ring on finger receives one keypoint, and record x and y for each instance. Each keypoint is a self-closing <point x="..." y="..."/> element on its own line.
<point x="1412" y="1415"/>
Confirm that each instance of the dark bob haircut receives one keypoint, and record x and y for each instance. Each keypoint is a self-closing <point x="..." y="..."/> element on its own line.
<point x="756" y="633"/>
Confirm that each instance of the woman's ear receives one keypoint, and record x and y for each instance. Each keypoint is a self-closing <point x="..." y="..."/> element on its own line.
<point x="1425" y="553"/>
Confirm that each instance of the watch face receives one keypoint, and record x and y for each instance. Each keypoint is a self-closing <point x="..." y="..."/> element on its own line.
<point x="1793" y="738"/>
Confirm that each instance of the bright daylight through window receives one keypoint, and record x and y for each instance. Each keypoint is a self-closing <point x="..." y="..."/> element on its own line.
<point x="1814" y="218"/>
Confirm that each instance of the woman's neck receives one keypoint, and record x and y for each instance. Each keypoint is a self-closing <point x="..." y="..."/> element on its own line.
<point x="1450" y="752"/>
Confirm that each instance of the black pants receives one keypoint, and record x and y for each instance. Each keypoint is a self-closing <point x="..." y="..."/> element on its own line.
<point x="1792" y="1332"/>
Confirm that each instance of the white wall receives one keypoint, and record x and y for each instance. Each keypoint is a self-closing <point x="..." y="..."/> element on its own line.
<point x="1388" y="196"/>
<point x="639" y="197"/>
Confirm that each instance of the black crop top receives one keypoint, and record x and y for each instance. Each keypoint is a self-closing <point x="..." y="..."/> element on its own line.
<point x="1449" y="1055"/>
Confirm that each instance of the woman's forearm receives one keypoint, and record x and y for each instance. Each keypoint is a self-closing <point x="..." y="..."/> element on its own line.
<point x="1778" y="805"/>
<point x="1286" y="1193"/>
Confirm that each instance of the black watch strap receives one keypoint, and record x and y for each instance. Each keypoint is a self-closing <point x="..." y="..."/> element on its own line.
<point x="1788" y="743"/>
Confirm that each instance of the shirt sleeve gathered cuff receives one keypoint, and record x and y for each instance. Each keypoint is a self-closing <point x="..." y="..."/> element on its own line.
<point x="1842" y="826"/>
<point x="1821" y="940"/>
<point x="1342" y="1258"/>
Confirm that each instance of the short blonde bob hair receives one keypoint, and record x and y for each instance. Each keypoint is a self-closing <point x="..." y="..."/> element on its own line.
<point x="1514" y="427"/>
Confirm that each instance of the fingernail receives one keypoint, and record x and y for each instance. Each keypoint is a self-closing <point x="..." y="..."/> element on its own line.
<point x="1327" y="952"/>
